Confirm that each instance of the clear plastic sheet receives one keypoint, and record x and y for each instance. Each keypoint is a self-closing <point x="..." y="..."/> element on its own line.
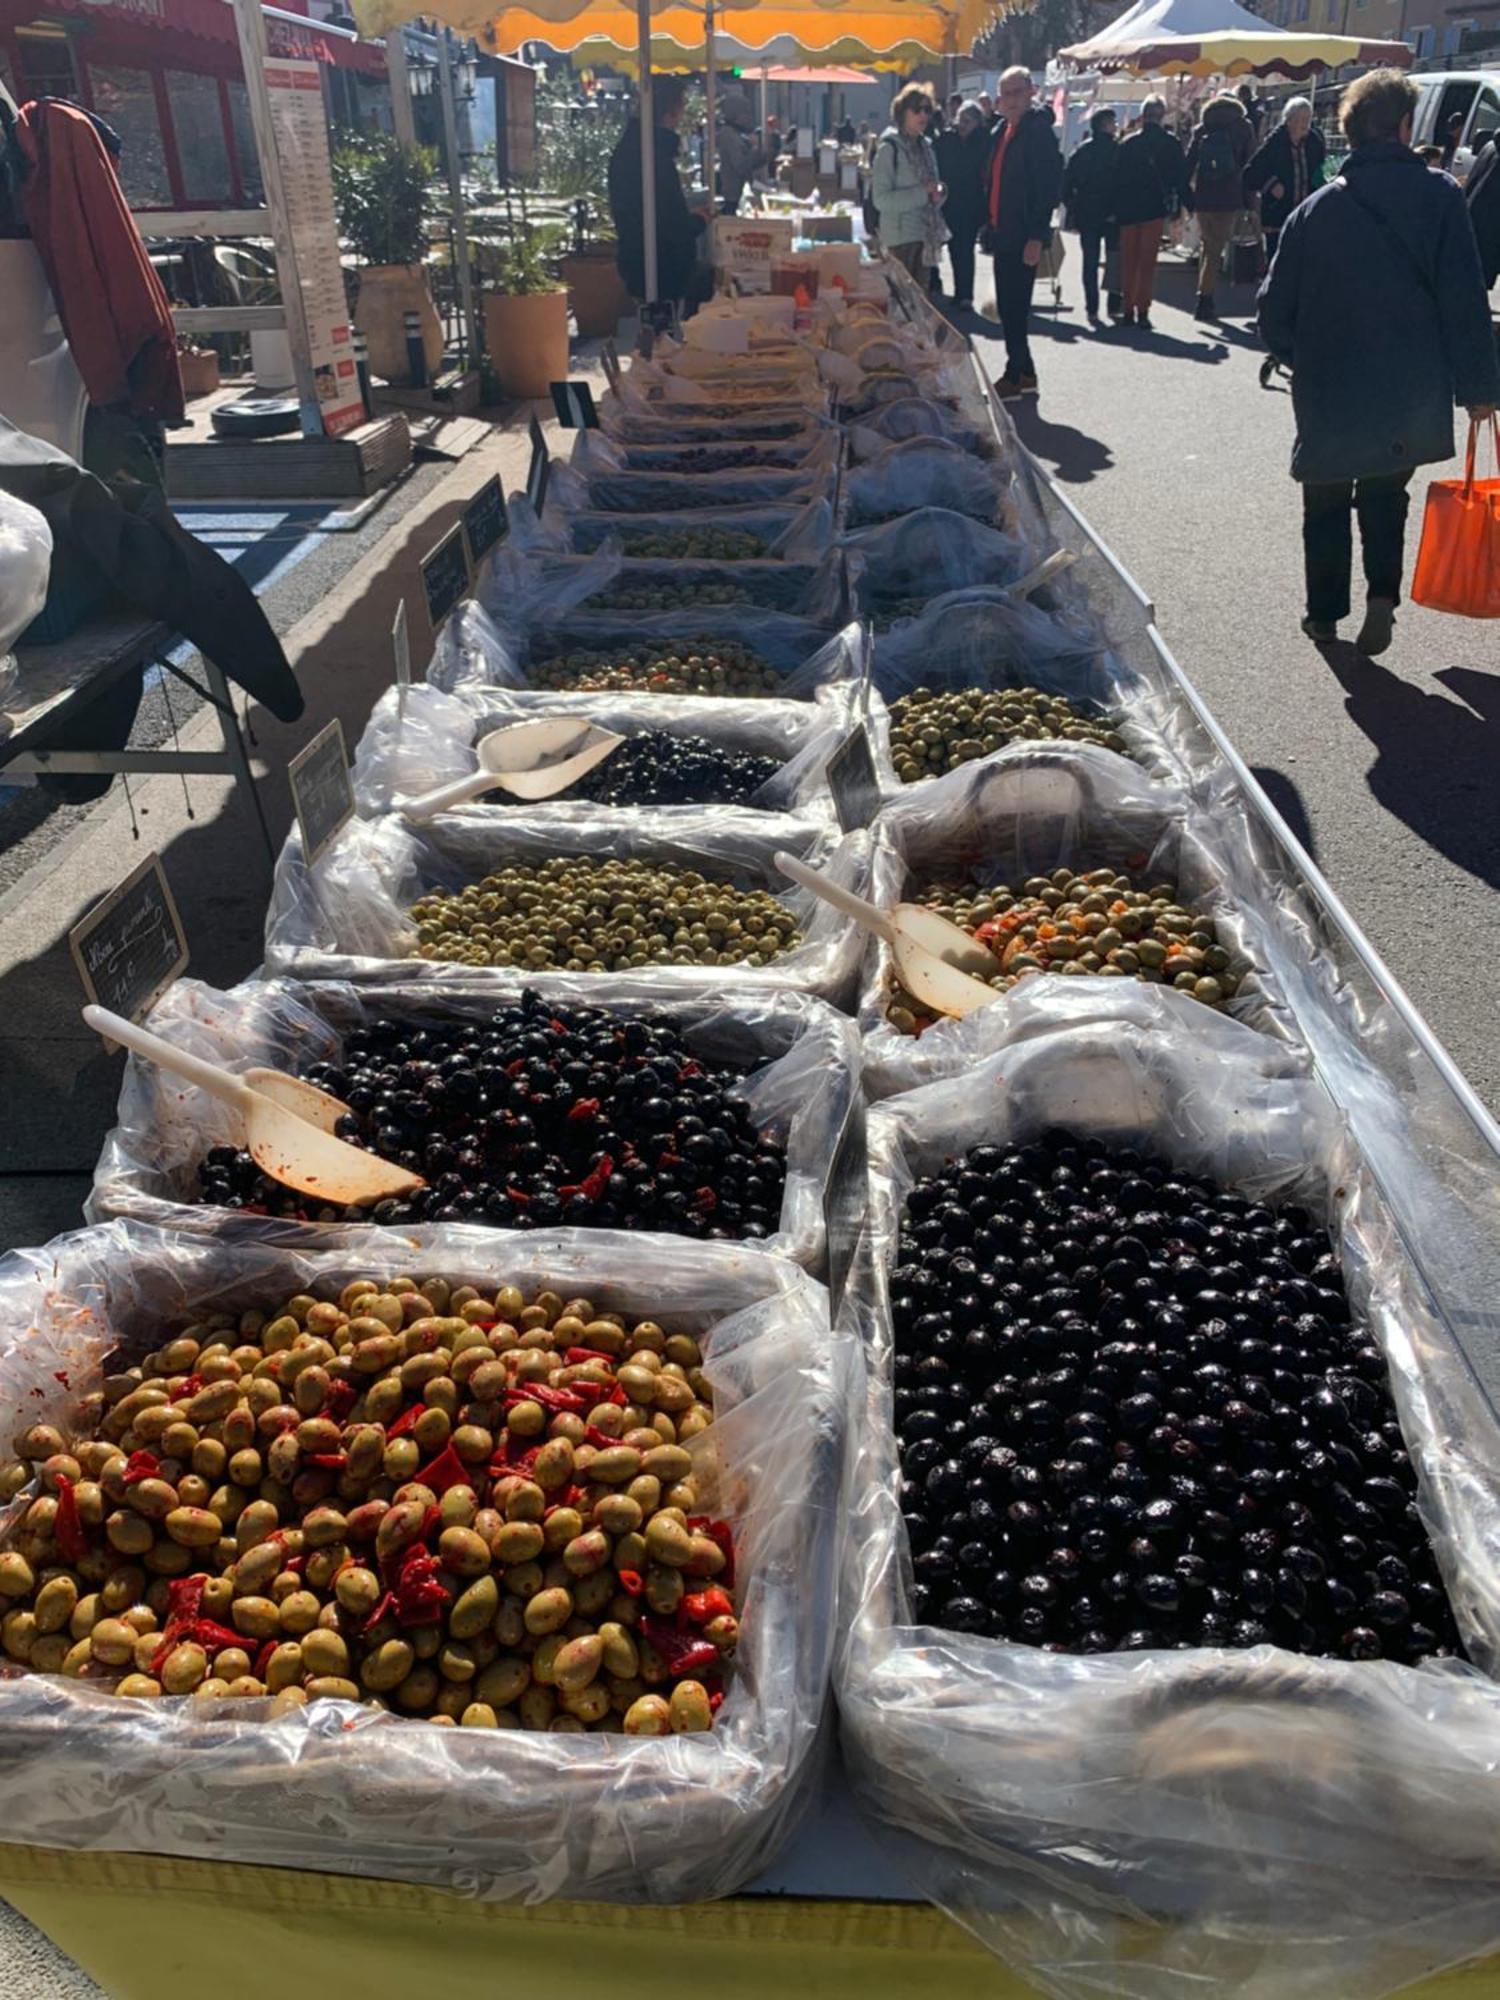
<point x="668" y="492"/>
<point x="1025" y="811"/>
<point x="916" y="417"/>
<point x="503" y="1815"/>
<point x="924" y="472"/>
<point x="347" y="917"/>
<point x="931" y="552"/>
<point x="803" y="535"/>
<point x="1250" y="1825"/>
<point x="477" y="650"/>
<point x="25" y="570"/>
<point x="801" y="1059"/>
<point x="595" y="456"/>
<point x="981" y="637"/>
<point x="428" y="740"/>
<point x="810" y="589"/>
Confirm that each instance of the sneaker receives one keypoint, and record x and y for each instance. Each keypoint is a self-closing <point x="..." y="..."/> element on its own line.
<point x="1379" y="628"/>
<point x="1322" y="631"/>
<point x="1008" y="388"/>
<point x="1028" y="385"/>
<point x="1094" y="321"/>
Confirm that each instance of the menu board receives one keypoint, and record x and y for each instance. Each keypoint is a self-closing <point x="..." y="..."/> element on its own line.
<point x="130" y="947"/>
<point x="485" y="520"/>
<point x="300" y="126"/>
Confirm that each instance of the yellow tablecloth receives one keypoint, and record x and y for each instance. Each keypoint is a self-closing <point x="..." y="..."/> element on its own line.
<point x="144" y="1927"/>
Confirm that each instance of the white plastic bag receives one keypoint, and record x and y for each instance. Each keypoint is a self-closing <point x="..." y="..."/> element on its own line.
<point x="501" y="1814"/>
<point x="800" y="1057"/>
<point x="1249" y="1825"/>
<point x="25" y="571"/>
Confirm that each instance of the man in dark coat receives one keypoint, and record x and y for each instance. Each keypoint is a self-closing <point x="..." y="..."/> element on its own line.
<point x="1023" y="180"/>
<point x="1150" y="184"/>
<point x="1286" y="169"/>
<point x="1089" y="200"/>
<point x="1482" y="193"/>
<point x="1377" y="302"/>
<point x="962" y="148"/>
<point x="678" y="228"/>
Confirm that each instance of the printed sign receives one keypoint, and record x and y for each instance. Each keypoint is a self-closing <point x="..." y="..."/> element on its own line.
<point x="743" y="247"/>
<point x="539" y="471"/>
<point x="301" y="128"/>
<point x="852" y="780"/>
<point x="445" y="574"/>
<point x="485" y="520"/>
<point x="574" y="404"/>
<point x="130" y="947"/>
<point x="321" y="790"/>
<point x="845" y="1201"/>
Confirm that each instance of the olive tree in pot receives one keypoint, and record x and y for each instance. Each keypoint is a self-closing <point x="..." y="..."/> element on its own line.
<point x="525" y="312"/>
<point x="380" y="198"/>
<point x="599" y="294"/>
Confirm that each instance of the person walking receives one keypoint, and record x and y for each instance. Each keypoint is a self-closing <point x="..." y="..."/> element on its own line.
<point x="1023" y="180"/>
<point x="1151" y="184"/>
<point x="961" y="151"/>
<point x="1088" y="200"/>
<point x="1482" y="194"/>
<point x="679" y="228"/>
<point x="905" y="186"/>
<point x="1253" y="111"/>
<point x="1286" y="169"/>
<point x="739" y="153"/>
<point x="1377" y="302"/>
<point x="1216" y="164"/>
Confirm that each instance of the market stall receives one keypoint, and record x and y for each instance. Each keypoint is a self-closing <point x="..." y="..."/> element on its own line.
<point x="1220" y="38"/>
<point x="1088" y="1381"/>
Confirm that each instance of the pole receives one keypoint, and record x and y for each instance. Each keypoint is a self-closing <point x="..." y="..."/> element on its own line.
<point x="456" y="198"/>
<point x="250" y="26"/>
<point x="403" y="118"/>
<point x="711" y="135"/>
<point x="648" y="150"/>
<point x="765" y="129"/>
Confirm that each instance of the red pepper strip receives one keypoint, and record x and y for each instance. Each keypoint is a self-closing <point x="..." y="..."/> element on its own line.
<point x="61" y="1375"/>
<point x="703" y="1605"/>
<point x="405" y="1422"/>
<point x="515" y="1068"/>
<point x="707" y="1200"/>
<point x="631" y="1582"/>
<point x="141" y="1465"/>
<point x="294" y="1565"/>
<point x="668" y="1159"/>
<point x="329" y="1461"/>
<point x="592" y="1186"/>
<point x="572" y="1402"/>
<point x="576" y="1356"/>
<point x="420" y="1597"/>
<point x="617" y="1396"/>
<point x="263" y="1658"/>
<point x="521" y="1200"/>
<point x="716" y="1702"/>
<point x="446" y="1470"/>
<point x="190" y="1387"/>
<point x="557" y="1027"/>
<point x="383" y="1609"/>
<point x="717" y="1531"/>
<point x="601" y="1440"/>
<point x="679" y="1654"/>
<point x="583" y="1110"/>
<point x="689" y="1068"/>
<point x="67" y="1526"/>
<point x="513" y="1457"/>
<point x="340" y="1399"/>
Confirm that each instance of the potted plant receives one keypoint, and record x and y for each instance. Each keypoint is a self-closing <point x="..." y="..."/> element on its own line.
<point x="380" y="197"/>
<point x="599" y="294"/>
<point x="574" y="142"/>
<point x="525" y="312"/>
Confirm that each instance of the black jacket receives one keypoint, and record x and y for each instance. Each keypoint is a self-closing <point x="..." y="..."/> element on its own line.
<point x="961" y="159"/>
<point x="677" y="227"/>
<point x="1273" y="162"/>
<point x="1151" y="179"/>
<point x="1089" y="184"/>
<point x="1029" y="186"/>
<point x="1482" y="193"/>
<point x="1376" y="299"/>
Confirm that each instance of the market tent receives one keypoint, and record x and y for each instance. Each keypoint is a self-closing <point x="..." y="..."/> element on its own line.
<point x="832" y="75"/>
<point x="1219" y="38"/>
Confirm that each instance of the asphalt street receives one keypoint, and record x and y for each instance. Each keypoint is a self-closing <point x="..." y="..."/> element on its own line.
<point x="1167" y="443"/>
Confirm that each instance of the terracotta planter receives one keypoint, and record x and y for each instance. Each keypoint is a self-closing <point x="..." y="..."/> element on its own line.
<point x="600" y="300"/>
<point x="387" y="293"/>
<point x="527" y="341"/>
<point x="200" y="371"/>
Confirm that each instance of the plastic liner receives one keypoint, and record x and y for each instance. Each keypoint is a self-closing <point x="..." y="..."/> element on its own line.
<point x="413" y="747"/>
<point x="524" y="589"/>
<point x="502" y="1815"/>
<point x="931" y="552"/>
<point x="801" y="536"/>
<point x="672" y="492"/>
<point x="981" y="637"/>
<point x="347" y="917"/>
<point x="923" y="472"/>
<point x="595" y="455"/>
<point x="801" y="1059"/>
<point x="1248" y="1825"/>
<point x="473" y="649"/>
<point x="1026" y="811"/>
<point x="916" y="417"/>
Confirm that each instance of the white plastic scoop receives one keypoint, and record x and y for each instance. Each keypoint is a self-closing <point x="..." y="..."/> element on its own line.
<point x="530" y="760"/>
<point x="288" y="1124"/>
<point x="936" y="960"/>
<point x="1046" y="569"/>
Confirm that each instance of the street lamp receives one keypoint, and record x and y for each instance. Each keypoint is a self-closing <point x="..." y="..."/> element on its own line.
<point x="422" y="69"/>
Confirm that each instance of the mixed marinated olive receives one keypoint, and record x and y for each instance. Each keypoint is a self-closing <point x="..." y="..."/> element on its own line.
<point x="688" y="666"/>
<point x="449" y="1500"/>
<point x="1134" y="1410"/>
<point x="694" y="544"/>
<point x="656" y="594"/>
<point x="934" y="730"/>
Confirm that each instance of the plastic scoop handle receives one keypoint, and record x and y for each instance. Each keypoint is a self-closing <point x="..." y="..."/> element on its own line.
<point x="1046" y="569"/>
<point x="221" y="1083"/>
<point x="870" y="915"/>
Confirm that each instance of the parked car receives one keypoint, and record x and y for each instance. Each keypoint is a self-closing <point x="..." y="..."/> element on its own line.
<point x="1473" y="92"/>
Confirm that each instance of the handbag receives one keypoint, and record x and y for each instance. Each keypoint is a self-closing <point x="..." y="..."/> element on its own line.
<point x="1458" y="563"/>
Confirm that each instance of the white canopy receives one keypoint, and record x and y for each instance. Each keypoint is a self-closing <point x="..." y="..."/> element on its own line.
<point x="1218" y="38"/>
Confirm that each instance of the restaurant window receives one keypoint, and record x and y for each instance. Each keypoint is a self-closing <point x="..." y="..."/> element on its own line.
<point x="198" y="125"/>
<point x="126" y="99"/>
<point x="244" y="144"/>
<point x="47" y="66"/>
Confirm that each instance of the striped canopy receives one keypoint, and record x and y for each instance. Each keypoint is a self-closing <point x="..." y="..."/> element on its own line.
<point x="1219" y="38"/>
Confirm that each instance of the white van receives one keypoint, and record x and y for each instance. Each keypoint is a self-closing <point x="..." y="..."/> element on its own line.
<point x="1474" y="93"/>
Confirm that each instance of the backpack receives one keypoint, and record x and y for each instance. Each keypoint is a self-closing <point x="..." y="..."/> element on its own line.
<point x="1216" y="161"/>
<point x="868" y="209"/>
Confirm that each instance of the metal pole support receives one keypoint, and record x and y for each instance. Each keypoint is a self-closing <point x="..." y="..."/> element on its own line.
<point x="456" y="199"/>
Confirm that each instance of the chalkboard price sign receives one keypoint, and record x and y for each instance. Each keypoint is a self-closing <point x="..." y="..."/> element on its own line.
<point x="445" y="574"/>
<point x="130" y="947"/>
<point x="321" y="790"/>
<point x="852" y="780"/>
<point x="485" y="521"/>
<point x="539" y="471"/>
<point x="845" y="1201"/>
<point x="574" y="404"/>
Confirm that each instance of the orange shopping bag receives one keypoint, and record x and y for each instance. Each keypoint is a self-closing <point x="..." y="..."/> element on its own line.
<point x="1458" y="564"/>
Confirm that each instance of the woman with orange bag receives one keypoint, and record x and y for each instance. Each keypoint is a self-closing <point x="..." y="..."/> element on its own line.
<point x="1376" y="300"/>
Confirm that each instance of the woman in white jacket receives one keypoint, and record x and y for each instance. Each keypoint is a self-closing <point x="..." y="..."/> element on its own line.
<point x="905" y="187"/>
